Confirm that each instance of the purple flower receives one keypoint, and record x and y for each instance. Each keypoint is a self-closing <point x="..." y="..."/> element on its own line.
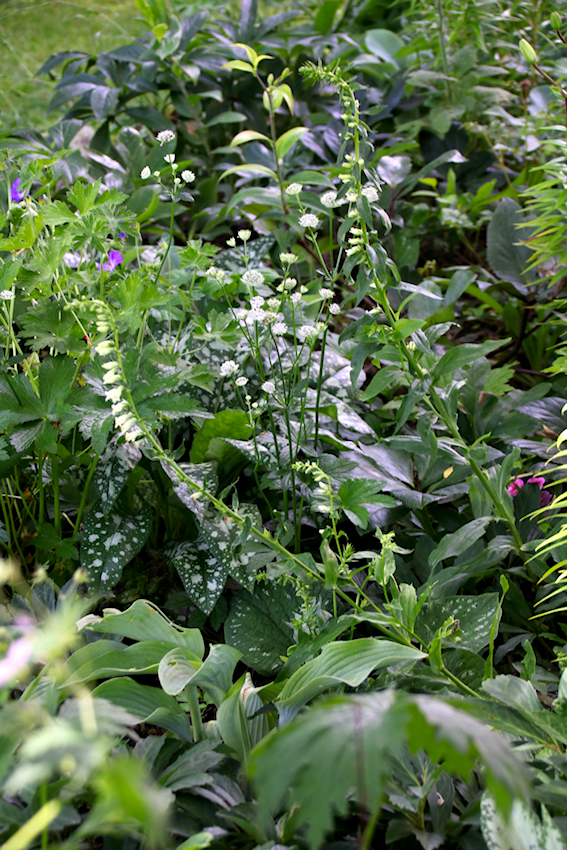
<point x="122" y="235"/>
<point x="114" y="259"/>
<point x="15" y="195"/>
<point x="15" y="661"/>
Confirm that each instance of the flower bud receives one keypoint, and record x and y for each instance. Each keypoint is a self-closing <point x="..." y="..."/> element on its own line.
<point x="528" y="52"/>
<point x="555" y="20"/>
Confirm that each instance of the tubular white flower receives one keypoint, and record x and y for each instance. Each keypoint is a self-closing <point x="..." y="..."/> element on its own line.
<point x="132" y="436"/>
<point x="269" y="387"/>
<point x="309" y="220"/>
<point x="165" y="136"/>
<point x="253" y="277"/>
<point x="146" y="172"/>
<point x="228" y="368"/>
<point x="115" y="394"/>
<point x="294" y="188"/>
<point x="352" y="195"/>
<point x="287" y="259"/>
<point x="188" y="176"/>
<point x="111" y="364"/>
<point x="111" y="378"/>
<point x="104" y="347"/>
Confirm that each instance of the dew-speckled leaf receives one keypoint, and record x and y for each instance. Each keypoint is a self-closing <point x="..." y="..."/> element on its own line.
<point x="110" y="542"/>
<point x="474" y="613"/>
<point x="258" y="624"/>
<point x="112" y="470"/>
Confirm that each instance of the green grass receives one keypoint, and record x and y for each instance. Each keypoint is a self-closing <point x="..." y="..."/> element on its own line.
<point x="31" y="31"/>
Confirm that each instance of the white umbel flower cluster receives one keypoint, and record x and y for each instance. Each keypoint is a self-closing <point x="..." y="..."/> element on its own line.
<point x="228" y="368"/>
<point x="294" y="189"/>
<point x="253" y="277"/>
<point x="165" y="136"/>
<point x="309" y="220"/>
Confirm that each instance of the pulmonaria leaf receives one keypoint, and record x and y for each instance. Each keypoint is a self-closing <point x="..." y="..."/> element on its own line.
<point x="110" y="542"/>
<point x="259" y="625"/>
<point x="112" y="471"/>
<point x="202" y="571"/>
<point x="203" y="474"/>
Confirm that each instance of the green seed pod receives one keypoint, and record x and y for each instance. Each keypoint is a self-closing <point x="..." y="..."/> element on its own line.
<point x="555" y="20"/>
<point x="528" y="52"/>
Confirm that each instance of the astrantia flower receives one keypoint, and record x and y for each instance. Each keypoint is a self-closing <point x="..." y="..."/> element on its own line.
<point x="307" y="332"/>
<point x="241" y="314"/>
<point x="257" y="301"/>
<point x="253" y="277"/>
<point x="287" y="259"/>
<point x="326" y="293"/>
<point x="329" y="200"/>
<point x="269" y="387"/>
<point x="15" y="195"/>
<point x="244" y="235"/>
<point x="289" y="283"/>
<point x="165" y="136"/>
<point x="371" y="194"/>
<point x="218" y="274"/>
<point x="169" y="158"/>
<point x="279" y="329"/>
<point x="272" y="304"/>
<point x="146" y="172"/>
<point x="228" y="368"/>
<point x="294" y="188"/>
<point x="114" y="260"/>
<point x="188" y="176"/>
<point x="231" y="243"/>
<point x="7" y="295"/>
<point x="309" y="220"/>
<point x="334" y="309"/>
<point x="256" y="314"/>
<point x="241" y="382"/>
<point x="352" y="195"/>
<point x="295" y="298"/>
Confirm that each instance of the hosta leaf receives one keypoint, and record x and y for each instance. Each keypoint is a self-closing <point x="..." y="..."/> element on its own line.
<point x="143" y="621"/>
<point x="110" y="542"/>
<point x="150" y="705"/>
<point x="105" y="659"/>
<point x="176" y="670"/>
<point x="112" y="471"/>
<point x="258" y="625"/>
<point x="342" y="662"/>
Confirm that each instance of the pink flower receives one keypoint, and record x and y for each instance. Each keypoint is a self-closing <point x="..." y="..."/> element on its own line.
<point x="16" y="660"/>
<point x="515" y="487"/>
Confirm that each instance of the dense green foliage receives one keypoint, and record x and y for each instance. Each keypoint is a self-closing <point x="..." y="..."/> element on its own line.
<point x="282" y="378"/>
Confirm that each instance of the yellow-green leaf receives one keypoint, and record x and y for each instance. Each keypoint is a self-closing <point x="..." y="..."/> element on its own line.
<point x="249" y="168"/>
<point x="248" y="136"/>
<point x="287" y="141"/>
